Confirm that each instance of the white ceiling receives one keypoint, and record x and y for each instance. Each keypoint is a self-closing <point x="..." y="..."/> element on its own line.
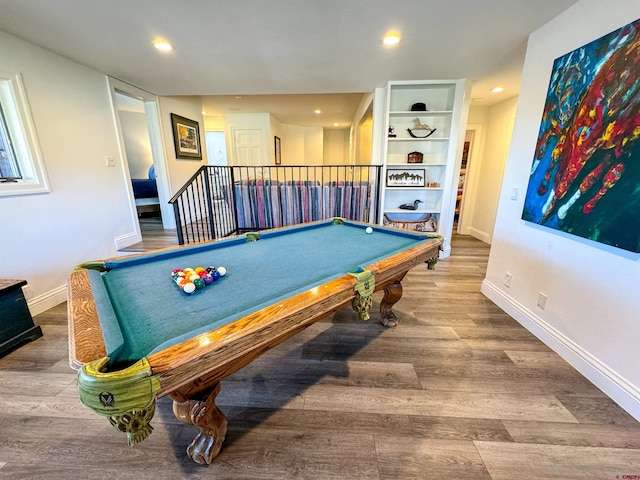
<point x="259" y="48"/>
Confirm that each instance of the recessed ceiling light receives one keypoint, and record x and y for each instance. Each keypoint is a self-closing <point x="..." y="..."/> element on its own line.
<point x="163" y="45"/>
<point x="497" y="89"/>
<point x="391" y="39"/>
<point x="336" y="124"/>
<point x="317" y="111"/>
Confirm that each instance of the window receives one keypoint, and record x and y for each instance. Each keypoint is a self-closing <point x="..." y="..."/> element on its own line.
<point x="21" y="168"/>
<point x="9" y="168"/>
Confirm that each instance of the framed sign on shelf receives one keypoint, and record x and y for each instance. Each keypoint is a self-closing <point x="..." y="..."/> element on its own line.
<point x="186" y="138"/>
<point x="411" y="177"/>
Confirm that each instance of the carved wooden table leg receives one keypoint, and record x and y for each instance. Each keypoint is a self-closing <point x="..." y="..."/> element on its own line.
<point x="392" y="294"/>
<point x="203" y="413"/>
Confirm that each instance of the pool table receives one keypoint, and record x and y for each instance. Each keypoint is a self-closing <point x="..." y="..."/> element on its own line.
<point x="135" y="336"/>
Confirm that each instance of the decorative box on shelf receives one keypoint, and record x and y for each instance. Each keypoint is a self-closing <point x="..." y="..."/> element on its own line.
<point x="414" y="157"/>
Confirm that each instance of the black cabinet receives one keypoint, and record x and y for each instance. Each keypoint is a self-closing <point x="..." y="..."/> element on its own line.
<point x="16" y="324"/>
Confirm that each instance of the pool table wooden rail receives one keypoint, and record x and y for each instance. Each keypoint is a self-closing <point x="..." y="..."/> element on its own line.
<point x="190" y="371"/>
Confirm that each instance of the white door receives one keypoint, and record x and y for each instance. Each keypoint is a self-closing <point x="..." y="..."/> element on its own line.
<point x="216" y="148"/>
<point x="248" y="147"/>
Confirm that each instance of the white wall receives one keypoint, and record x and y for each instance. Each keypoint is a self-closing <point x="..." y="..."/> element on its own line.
<point x="180" y="170"/>
<point x="485" y="172"/>
<point x="336" y="146"/>
<point x="301" y="145"/>
<point x="44" y="236"/>
<point x="592" y="316"/>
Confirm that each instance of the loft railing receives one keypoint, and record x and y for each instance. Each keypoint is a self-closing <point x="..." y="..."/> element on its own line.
<point x="220" y="201"/>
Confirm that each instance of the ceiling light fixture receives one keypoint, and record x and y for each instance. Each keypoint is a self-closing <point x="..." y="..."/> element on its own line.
<point x="317" y="111"/>
<point x="391" y="39"/>
<point x="497" y="89"/>
<point x="336" y="124"/>
<point x="163" y="45"/>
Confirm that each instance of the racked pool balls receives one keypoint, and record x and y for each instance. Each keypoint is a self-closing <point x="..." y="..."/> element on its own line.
<point x="191" y="279"/>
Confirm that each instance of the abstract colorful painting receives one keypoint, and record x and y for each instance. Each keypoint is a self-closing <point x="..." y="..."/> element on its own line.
<point x="585" y="177"/>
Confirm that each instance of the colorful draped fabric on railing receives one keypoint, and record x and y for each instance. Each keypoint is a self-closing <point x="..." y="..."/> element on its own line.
<point x="268" y="204"/>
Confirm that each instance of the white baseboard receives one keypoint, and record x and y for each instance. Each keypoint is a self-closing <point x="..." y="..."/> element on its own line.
<point x="47" y="300"/>
<point x="619" y="389"/>
<point x="126" y="240"/>
<point x="480" y="235"/>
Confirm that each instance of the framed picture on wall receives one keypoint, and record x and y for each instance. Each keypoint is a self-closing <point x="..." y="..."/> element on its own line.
<point x="278" y="151"/>
<point x="186" y="138"/>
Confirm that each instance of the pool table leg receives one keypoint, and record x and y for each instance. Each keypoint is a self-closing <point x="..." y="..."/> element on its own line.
<point x="202" y="412"/>
<point x="392" y="293"/>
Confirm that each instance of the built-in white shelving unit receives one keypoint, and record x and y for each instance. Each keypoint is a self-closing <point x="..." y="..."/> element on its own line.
<point x="434" y="181"/>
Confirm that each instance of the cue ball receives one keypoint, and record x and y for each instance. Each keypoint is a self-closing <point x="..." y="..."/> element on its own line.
<point x="369" y="230"/>
<point x="222" y="271"/>
<point x="189" y="288"/>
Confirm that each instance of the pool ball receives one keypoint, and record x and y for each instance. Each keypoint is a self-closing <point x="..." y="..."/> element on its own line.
<point x="199" y="269"/>
<point x="369" y="230"/>
<point x="199" y="283"/>
<point x="215" y="275"/>
<point x="222" y="271"/>
<point x="208" y="279"/>
<point x="189" y="288"/>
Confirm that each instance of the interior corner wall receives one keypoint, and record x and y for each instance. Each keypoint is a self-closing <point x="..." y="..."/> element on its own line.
<point x="214" y="123"/>
<point x="486" y="175"/>
<point x="336" y="146"/>
<point x="313" y="145"/>
<point x="45" y="236"/>
<point x="180" y="170"/>
<point x="592" y="314"/>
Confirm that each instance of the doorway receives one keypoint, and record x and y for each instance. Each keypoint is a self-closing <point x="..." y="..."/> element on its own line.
<point x="137" y="121"/>
<point x="467" y="180"/>
<point x="137" y="145"/>
<point x="216" y="148"/>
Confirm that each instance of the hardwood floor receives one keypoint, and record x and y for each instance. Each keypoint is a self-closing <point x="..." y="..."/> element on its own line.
<point x="457" y="391"/>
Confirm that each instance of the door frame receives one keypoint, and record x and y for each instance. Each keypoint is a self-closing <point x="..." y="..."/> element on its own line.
<point x="152" y="109"/>
<point x="467" y="204"/>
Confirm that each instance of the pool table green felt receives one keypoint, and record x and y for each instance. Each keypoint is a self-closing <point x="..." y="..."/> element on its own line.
<point x="274" y="287"/>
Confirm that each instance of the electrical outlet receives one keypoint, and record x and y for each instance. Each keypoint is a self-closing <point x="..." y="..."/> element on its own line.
<point x="542" y="301"/>
<point x="514" y="193"/>
<point x="507" y="279"/>
<point x="109" y="161"/>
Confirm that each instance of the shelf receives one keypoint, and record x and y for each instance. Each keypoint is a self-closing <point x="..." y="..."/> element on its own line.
<point x="414" y="188"/>
<point x="411" y="113"/>
<point x="422" y="211"/>
<point x="405" y="165"/>
<point x="444" y="100"/>
<point x="428" y="139"/>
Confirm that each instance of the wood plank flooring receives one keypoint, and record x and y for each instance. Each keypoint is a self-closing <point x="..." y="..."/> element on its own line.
<point x="457" y="391"/>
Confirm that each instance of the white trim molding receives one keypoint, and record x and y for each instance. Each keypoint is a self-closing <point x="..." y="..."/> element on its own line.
<point x="619" y="389"/>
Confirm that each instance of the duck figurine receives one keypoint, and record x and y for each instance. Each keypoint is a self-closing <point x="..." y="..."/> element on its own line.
<point x="411" y="206"/>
